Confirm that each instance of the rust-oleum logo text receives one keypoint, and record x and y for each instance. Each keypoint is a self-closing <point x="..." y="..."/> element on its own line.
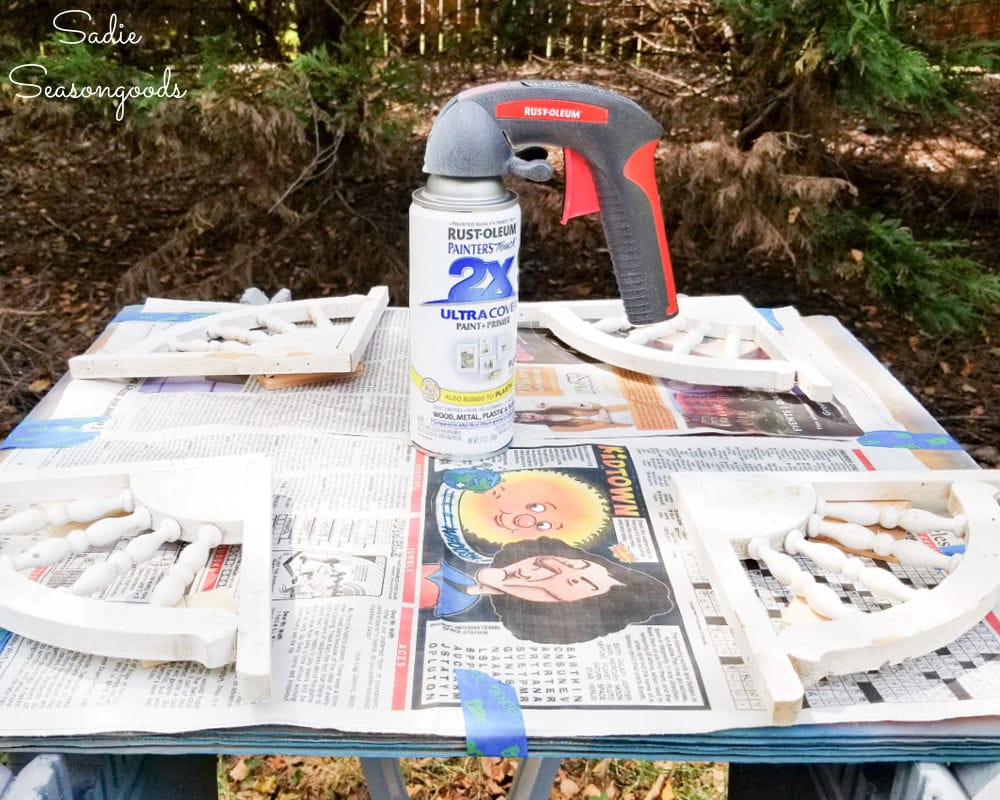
<point x="477" y="234"/>
<point x="553" y="113"/>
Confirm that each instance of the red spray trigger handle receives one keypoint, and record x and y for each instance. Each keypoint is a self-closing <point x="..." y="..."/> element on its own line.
<point x="608" y="141"/>
<point x="581" y="190"/>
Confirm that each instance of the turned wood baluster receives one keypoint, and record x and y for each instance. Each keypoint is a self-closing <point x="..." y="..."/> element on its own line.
<point x="171" y="587"/>
<point x="235" y="334"/>
<point x="644" y="334"/>
<point x="827" y="557"/>
<point x="85" y="509"/>
<point x="820" y="597"/>
<point x="858" y="537"/>
<point x="912" y="520"/>
<point x="319" y="317"/>
<point x="140" y="549"/>
<point x="277" y="324"/>
<point x="732" y="342"/>
<point x="99" y="534"/>
<point x="611" y="324"/>
<point x="691" y="339"/>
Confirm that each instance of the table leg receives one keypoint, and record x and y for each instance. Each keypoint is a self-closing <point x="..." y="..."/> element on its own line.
<point x="534" y="778"/>
<point x="384" y="777"/>
<point x="110" y="777"/>
<point x="532" y="781"/>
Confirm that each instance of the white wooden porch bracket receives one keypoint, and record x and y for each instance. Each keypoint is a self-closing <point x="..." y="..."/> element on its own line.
<point x="732" y="516"/>
<point x="284" y="338"/>
<point x="600" y="329"/>
<point x="55" y="514"/>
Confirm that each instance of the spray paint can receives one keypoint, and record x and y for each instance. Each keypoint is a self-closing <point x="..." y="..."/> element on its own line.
<point x="464" y="239"/>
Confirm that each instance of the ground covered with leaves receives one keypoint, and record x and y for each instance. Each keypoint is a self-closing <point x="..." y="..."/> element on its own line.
<point x="311" y="778"/>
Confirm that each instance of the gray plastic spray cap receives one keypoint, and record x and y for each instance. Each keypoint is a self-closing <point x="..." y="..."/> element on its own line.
<point x="466" y="142"/>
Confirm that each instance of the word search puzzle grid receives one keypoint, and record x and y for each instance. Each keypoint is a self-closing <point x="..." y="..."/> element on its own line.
<point x="970" y="663"/>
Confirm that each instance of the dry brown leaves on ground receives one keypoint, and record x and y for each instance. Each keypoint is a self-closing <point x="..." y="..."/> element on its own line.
<point x="310" y="778"/>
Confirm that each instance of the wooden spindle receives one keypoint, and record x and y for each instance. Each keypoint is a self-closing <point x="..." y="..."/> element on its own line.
<point x="170" y="589"/>
<point x="140" y="549"/>
<point x="99" y="534"/>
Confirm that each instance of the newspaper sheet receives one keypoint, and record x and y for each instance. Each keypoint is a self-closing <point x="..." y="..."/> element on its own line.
<point x="389" y="568"/>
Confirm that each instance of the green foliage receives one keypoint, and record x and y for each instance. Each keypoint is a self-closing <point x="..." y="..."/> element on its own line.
<point x="862" y="46"/>
<point x="520" y="29"/>
<point x="966" y="58"/>
<point x="862" y="54"/>
<point x="96" y="84"/>
<point x="253" y="762"/>
<point x="340" y="92"/>
<point x="686" y="780"/>
<point x="349" y="92"/>
<point x="225" y="792"/>
<point x="929" y="280"/>
<point x="216" y="54"/>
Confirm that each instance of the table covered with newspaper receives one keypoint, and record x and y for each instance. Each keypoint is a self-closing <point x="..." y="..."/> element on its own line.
<point x="379" y="553"/>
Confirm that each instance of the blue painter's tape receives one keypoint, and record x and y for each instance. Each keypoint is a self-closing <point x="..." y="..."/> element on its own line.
<point x="952" y="549"/>
<point x="768" y="314"/>
<point x="494" y="725"/>
<point x="63" y="432"/>
<point x="136" y="314"/>
<point x="909" y="441"/>
<point x="128" y="313"/>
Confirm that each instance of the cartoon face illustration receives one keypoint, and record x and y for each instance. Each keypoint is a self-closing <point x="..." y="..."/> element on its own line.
<point x="526" y="504"/>
<point x="308" y="576"/>
<point x="311" y="575"/>
<point x="576" y="595"/>
<point x="325" y="573"/>
<point x="548" y="579"/>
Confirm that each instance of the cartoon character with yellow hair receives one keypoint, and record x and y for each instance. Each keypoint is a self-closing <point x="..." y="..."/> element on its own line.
<point x="519" y="505"/>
